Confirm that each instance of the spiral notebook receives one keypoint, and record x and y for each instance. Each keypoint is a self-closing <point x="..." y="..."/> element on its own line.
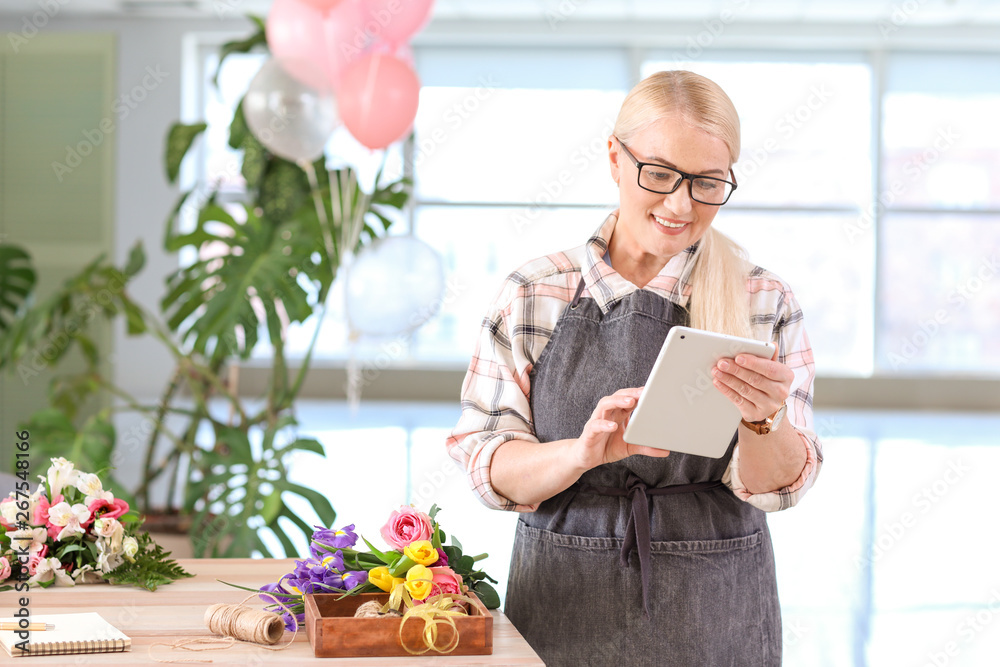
<point x="74" y="633"/>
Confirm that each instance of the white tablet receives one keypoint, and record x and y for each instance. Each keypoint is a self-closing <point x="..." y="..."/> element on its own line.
<point x="680" y="409"/>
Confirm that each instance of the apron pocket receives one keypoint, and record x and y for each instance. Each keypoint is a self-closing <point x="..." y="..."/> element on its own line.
<point x="712" y="602"/>
<point x="564" y="596"/>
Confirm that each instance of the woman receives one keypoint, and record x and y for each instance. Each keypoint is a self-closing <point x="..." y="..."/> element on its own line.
<point x="623" y="554"/>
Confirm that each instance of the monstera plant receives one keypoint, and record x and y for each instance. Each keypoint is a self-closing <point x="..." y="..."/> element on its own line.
<point x="209" y="456"/>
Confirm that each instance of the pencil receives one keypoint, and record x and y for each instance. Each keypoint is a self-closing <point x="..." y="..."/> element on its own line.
<point x="31" y="627"/>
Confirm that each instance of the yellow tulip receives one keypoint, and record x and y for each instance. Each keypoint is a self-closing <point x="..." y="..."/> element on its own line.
<point x="419" y="581"/>
<point x="380" y="577"/>
<point x="421" y="552"/>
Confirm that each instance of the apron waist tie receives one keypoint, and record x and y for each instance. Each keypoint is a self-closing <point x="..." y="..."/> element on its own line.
<point x="637" y="530"/>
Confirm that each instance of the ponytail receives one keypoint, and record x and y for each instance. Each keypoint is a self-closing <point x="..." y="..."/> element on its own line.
<point x="718" y="275"/>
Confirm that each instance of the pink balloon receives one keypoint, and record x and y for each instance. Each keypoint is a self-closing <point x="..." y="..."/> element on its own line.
<point x="322" y="5"/>
<point x="345" y="38"/>
<point x="378" y="99"/>
<point x="395" y="21"/>
<point x="294" y="32"/>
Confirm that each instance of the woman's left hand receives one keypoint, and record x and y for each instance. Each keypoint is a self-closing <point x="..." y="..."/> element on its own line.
<point x="756" y="386"/>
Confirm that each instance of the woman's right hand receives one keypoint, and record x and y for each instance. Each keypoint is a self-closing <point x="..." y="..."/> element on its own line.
<point x="601" y="441"/>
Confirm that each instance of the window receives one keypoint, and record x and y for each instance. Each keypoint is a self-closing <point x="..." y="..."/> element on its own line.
<point x="805" y="177"/>
<point x="941" y="196"/>
<point x="881" y="213"/>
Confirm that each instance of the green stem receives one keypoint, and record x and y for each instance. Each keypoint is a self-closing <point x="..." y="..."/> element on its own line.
<point x="479" y="557"/>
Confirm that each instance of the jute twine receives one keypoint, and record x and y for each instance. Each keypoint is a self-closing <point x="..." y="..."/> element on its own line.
<point x="235" y="623"/>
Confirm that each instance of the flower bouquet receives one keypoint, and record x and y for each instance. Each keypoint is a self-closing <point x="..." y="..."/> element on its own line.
<point x="418" y="569"/>
<point x="72" y="531"/>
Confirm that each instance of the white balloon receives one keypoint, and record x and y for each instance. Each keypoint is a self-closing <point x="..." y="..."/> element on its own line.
<point x="393" y="286"/>
<point x="290" y="118"/>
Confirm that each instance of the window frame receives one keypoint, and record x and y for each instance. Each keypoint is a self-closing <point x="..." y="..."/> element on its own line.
<point x="417" y="380"/>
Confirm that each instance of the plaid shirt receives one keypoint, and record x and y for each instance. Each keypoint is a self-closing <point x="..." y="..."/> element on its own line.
<point x="495" y="393"/>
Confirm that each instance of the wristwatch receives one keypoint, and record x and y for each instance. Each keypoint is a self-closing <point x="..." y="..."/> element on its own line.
<point x="768" y="424"/>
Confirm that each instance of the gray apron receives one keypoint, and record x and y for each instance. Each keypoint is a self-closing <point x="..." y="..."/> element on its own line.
<point x="645" y="561"/>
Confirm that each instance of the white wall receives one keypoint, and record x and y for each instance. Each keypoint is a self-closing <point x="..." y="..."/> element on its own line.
<point x="143" y="197"/>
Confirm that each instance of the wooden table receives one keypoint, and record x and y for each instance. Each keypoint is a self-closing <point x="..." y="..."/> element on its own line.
<point x="177" y="611"/>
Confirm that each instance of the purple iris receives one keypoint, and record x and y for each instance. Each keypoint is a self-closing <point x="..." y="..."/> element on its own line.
<point x="354" y="578"/>
<point x="442" y="558"/>
<point x="290" y="624"/>
<point x="340" y="538"/>
<point x="282" y="595"/>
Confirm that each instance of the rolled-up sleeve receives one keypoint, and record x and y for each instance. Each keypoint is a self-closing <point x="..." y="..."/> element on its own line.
<point x="495" y="404"/>
<point x="795" y="351"/>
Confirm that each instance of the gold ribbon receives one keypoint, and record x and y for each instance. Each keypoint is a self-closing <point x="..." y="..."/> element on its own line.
<point x="437" y="610"/>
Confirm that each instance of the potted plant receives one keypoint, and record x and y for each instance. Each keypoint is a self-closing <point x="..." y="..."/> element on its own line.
<point x="281" y="249"/>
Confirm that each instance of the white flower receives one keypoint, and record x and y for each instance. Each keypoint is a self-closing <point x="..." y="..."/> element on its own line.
<point x="87" y="575"/>
<point x="116" y="539"/>
<point x="62" y="514"/>
<point x="71" y="529"/>
<point x="61" y="473"/>
<point x="90" y="485"/>
<point x="8" y="510"/>
<point x="131" y="547"/>
<point x="69" y="517"/>
<point x="106" y="559"/>
<point x="49" y="568"/>
<point x="33" y="538"/>
<point x="106" y="527"/>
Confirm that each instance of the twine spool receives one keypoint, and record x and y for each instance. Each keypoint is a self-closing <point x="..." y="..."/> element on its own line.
<point x="234" y="622"/>
<point x="244" y="623"/>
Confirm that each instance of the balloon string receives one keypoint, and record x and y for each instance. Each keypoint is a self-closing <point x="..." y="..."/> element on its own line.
<point x="324" y="223"/>
<point x="369" y="94"/>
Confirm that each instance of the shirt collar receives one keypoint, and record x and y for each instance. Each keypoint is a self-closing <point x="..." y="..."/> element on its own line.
<point x="608" y="287"/>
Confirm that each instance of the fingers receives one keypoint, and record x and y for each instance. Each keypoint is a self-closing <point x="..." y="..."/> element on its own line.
<point x="611" y="407"/>
<point x="755" y="385"/>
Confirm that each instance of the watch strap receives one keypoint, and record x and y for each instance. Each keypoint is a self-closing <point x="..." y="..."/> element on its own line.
<point x="762" y="427"/>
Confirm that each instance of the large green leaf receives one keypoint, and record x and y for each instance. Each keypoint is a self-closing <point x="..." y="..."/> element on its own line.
<point x="179" y="140"/>
<point x="282" y="190"/>
<point x="211" y="303"/>
<point x="242" y="45"/>
<point x="17" y="280"/>
<point x="238" y="129"/>
<point x="62" y="320"/>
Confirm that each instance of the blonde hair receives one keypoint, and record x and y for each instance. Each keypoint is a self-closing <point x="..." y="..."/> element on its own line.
<point x="719" y="269"/>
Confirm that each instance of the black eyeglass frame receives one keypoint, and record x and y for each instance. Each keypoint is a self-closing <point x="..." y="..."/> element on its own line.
<point x="684" y="177"/>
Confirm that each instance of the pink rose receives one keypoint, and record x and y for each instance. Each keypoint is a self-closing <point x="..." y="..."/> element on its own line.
<point x="33" y="562"/>
<point x="406" y="526"/>
<point x="41" y="517"/>
<point x="4" y="568"/>
<point x="104" y="509"/>
<point x="446" y="582"/>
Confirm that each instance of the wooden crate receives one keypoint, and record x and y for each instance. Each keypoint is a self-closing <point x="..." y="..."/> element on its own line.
<point x="335" y="633"/>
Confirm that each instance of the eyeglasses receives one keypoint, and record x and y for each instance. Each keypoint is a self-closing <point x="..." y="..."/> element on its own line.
<point x="663" y="180"/>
